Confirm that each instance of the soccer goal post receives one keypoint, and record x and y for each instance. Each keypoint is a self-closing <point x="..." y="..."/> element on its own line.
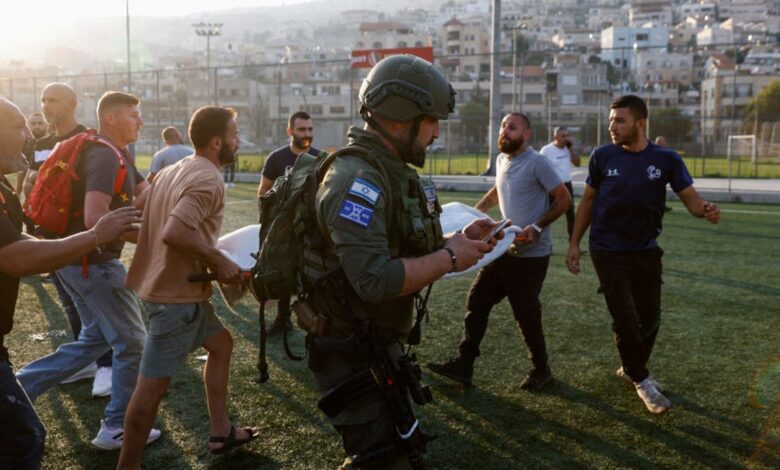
<point x="739" y="146"/>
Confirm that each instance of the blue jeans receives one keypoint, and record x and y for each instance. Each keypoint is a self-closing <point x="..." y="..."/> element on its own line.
<point x="22" y="434"/>
<point x="73" y="316"/>
<point x="110" y="319"/>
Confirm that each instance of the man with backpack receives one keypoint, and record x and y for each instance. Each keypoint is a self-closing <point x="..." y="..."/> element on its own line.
<point x="22" y="434"/>
<point x="300" y="129"/>
<point x="109" y="313"/>
<point x="183" y="213"/>
<point x="381" y="245"/>
<point x="58" y="101"/>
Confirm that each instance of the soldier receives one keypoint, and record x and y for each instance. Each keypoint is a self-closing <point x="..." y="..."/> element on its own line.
<point x="382" y="245"/>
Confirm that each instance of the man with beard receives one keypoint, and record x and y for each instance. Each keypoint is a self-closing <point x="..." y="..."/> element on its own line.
<point x="183" y="213"/>
<point x="381" y="244"/>
<point x="301" y="132"/>
<point x="526" y="182"/>
<point x="22" y="434"/>
<point x="623" y="203"/>
<point x="109" y="313"/>
<point x="38" y="127"/>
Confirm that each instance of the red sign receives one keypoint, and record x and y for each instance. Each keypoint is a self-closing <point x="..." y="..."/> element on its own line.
<point x="367" y="58"/>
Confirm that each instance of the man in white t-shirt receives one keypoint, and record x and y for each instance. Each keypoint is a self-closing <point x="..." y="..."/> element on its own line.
<point x="561" y="154"/>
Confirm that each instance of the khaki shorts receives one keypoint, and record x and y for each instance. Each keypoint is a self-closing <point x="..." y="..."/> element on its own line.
<point x="175" y="330"/>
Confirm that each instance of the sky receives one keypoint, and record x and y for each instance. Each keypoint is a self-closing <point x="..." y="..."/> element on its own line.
<point x="25" y="25"/>
<point x="23" y="11"/>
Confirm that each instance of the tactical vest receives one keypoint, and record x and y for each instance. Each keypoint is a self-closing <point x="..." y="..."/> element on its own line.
<point x="414" y="230"/>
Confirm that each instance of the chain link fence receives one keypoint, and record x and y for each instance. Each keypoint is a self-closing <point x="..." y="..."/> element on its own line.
<point x="576" y="96"/>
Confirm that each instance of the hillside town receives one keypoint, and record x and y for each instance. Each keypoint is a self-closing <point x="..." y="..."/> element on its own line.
<point x="561" y="62"/>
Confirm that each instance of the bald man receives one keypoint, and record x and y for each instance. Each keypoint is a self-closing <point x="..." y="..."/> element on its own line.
<point x="21" y="434"/>
<point x="58" y="101"/>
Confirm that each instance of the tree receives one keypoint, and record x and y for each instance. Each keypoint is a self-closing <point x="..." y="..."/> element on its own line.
<point x="670" y="123"/>
<point x="764" y="107"/>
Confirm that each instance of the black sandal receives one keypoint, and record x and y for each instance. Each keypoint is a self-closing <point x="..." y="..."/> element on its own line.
<point x="230" y="442"/>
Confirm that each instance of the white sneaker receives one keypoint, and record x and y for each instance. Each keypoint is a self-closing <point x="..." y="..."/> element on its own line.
<point x="653" y="399"/>
<point x="101" y="387"/>
<point x="111" y="438"/>
<point x="85" y="373"/>
<point x="622" y="374"/>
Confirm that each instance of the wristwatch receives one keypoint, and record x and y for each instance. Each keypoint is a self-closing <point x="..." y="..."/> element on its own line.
<point x="537" y="228"/>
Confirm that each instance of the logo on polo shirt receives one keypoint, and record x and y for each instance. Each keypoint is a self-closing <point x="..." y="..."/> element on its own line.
<point x="653" y="173"/>
<point x="612" y="172"/>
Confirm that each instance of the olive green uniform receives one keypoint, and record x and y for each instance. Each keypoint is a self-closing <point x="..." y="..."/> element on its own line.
<point x="399" y="218"/>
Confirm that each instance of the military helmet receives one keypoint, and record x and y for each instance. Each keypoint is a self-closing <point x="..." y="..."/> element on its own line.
<point x="404" y="87"/>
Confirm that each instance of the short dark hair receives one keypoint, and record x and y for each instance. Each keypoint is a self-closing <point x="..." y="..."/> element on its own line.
<point x="522" y="116"/>
<point x="208" y="122"/>
<point x="636" y="106"/>
<point x="299" y="115"/>
<point x="558" y="130"/>
<point x="34" y="114"/>
<point x="111" y="99"/>
<point x="169" y="132"/>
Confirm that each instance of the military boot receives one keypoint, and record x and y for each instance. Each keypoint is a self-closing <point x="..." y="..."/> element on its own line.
<point x="456" y="368"/>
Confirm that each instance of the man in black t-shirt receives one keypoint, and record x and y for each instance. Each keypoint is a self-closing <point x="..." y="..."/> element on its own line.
<point x="38" y="128"/>
<point x="22" y="434"/>
<point x="301" y="132"/>
<point x="109" y="312"/>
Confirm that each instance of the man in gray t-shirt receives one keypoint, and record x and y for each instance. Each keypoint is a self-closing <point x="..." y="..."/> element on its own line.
<point x="174" y="151"/>
<point x="525" y="184"/>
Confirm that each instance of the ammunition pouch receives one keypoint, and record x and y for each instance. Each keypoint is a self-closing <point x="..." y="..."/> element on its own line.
<point x="308" y="319"/>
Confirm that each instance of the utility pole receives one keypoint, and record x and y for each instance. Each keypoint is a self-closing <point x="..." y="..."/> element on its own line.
<point x="127" y="29"/>
<point x="495" y="88"/>
<point x="208" y="30"/>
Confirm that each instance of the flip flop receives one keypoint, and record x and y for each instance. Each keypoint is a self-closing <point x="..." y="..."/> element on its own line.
<point x="230" y="442"/>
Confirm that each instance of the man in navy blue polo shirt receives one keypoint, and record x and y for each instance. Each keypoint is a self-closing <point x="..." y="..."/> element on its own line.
<point x="623" y="203"/>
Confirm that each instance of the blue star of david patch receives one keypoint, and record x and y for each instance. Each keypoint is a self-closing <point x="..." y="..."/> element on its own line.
<point x="356" y="213"/>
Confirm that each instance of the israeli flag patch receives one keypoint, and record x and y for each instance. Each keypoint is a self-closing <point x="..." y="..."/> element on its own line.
<point x="365" y="190"/>
<point x="356" y="213"/>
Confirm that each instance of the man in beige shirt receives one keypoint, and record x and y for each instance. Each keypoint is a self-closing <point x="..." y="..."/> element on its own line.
<point x="182" y="219"/>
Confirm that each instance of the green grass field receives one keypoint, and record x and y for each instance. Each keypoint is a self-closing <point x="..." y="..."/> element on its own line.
<point x="474" y="164"/>
<point x="718" y="355"/>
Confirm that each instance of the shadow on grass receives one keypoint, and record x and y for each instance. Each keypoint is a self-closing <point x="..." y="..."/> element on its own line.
<point x="751" y="286"/>
<point x="486" y="425"/>
<point x="51" y="308"/>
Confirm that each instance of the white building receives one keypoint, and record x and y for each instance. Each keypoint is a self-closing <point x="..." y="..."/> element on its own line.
<point x="619" y="44"/>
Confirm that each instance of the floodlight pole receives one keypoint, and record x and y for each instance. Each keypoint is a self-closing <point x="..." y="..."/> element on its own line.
<point x="208" y="30"/>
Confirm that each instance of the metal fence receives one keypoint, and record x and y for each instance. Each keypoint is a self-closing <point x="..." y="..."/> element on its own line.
<point x="264" y="95"/>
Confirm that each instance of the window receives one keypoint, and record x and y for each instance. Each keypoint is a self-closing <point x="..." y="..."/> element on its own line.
<point x="570" y="80"/>
<point x="453" y="35"/>
<point x="569" y="99"/>
<point x="337" y="110"/>
<point x="283" y="110"/>
<point x="315" y="109"/>
<point x="376" y="45"/>
<point x="418" y="44"/>
<point x="401" y="44"/>
<point x="641" y="37"/>
<point x="533" y="98"/>
<point x="331" y="90"/>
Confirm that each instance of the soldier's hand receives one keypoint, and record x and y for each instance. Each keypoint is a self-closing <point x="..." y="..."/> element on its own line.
<point x="467" y="251"/>
<point x="227" y="271"/>
<point x="480" y="229"/>
<point x="573" y="259"/>
<point x="711" y="212"/>
<point x="114" y="224"/>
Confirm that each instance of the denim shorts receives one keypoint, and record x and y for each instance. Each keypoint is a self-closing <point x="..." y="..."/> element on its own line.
<point x="175" y="330"/>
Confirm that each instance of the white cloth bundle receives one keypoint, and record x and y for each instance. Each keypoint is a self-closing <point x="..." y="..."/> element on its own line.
<point x="242" y="243"/>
